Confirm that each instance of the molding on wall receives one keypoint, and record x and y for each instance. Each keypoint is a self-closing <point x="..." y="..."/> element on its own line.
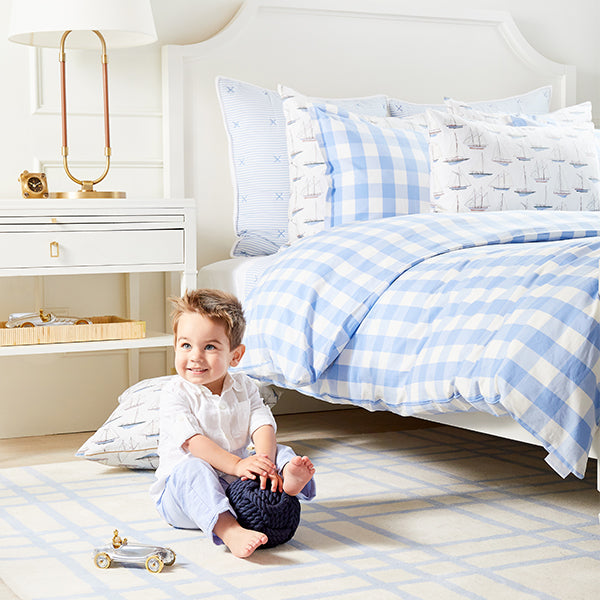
<point x="56" y="163"/>
<point x="40" y="107"/>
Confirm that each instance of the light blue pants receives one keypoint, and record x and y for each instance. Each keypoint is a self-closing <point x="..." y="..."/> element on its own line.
<point x="194" y="494"/>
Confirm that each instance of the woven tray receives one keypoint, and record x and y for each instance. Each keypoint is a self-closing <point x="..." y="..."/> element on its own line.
<point x="102" y="328"/>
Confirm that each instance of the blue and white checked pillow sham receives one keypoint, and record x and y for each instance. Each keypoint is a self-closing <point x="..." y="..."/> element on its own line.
<point x="377" y="167"/>
<point x="255" y="126"/>
<point x="309" y="182"/>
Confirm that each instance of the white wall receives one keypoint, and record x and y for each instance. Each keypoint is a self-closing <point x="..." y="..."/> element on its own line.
<point x="60" y="393"/>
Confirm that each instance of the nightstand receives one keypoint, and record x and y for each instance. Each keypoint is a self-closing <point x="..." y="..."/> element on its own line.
<point x="70" y="237"/>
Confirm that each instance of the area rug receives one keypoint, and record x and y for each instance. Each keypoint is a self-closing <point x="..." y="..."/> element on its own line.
<point x="432" y="514"/>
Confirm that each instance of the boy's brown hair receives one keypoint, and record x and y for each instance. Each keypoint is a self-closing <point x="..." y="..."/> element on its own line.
<point x="214" y="304"/>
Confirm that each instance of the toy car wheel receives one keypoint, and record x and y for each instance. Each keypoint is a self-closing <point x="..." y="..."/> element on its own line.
<point x="154" y="564"/>
<point x="170" y="558"/>
<point x="102" y="560"/>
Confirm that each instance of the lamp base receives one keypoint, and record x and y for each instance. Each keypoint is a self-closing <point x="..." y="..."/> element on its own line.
<point x="83" y="195"/>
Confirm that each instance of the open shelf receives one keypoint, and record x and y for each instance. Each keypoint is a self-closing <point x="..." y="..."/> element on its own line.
<point x="152" y="340"/>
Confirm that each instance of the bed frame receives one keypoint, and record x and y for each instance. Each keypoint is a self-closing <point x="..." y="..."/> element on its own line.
<point x="338" y="48"/>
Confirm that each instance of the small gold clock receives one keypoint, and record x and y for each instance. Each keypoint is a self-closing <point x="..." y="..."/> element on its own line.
<point x="33" y="185"/>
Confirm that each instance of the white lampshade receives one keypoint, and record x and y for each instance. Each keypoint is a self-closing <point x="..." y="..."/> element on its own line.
<point x="42" y="22"/>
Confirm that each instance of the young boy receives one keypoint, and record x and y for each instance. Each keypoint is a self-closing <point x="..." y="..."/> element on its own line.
<point x="208" y="417"/>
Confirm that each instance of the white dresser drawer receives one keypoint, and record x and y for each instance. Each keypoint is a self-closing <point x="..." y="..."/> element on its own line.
<point x="92" y="248"/>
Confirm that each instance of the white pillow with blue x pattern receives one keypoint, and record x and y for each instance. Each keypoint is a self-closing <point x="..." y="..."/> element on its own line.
<point x="255" y="125"/>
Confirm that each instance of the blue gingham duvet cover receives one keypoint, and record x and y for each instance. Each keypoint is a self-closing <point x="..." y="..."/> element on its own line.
<point x="493" y="312"/>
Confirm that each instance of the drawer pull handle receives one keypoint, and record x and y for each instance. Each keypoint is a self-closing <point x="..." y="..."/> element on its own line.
<point x="54" y="252"/>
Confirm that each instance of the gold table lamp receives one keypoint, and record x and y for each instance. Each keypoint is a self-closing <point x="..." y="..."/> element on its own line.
<point x="116" y="23"/>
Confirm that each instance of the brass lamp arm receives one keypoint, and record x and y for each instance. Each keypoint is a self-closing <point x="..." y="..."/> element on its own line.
<point x="86" y="185"/>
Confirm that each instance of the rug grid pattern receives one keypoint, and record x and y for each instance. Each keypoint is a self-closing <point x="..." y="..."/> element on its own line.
<point x="434" y="513"/>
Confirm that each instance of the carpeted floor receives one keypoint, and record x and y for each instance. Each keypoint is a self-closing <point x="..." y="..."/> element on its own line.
<point x="432" y="514"/>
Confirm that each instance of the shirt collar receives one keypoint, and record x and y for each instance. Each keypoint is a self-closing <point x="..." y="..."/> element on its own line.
<point x="230" y="383"/>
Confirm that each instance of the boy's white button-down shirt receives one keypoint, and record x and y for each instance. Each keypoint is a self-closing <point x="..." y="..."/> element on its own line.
<point x="229" y="420"/>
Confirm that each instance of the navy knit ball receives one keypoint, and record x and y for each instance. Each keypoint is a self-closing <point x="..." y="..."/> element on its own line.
<point x="275" y="514"/>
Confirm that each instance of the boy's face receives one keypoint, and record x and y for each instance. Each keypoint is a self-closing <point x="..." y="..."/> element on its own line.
<point x="202" y="352"/>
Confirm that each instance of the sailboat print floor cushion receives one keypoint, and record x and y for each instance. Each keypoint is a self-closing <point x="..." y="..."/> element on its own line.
<point x="479" y="166"/>
<point x="129" y="437"/>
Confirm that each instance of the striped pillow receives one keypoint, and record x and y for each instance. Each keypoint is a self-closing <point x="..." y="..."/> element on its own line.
<point x="255" y="125"/>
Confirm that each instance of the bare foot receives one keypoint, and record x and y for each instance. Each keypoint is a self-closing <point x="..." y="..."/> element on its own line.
<point x="296" y="474"/>
<point x="241" y="542"/>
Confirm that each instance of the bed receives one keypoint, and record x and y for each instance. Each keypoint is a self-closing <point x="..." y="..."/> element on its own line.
<point x="464" y="291"/>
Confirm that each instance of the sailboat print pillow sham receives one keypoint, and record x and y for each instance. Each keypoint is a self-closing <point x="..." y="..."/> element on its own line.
<point x="480" y="166"/>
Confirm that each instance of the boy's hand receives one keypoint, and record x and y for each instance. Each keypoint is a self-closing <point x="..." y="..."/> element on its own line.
<point x="276" y="482"/>
<point x="255" y="465"/>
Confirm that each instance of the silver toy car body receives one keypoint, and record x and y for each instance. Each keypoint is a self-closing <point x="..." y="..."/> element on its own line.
<point x="42" y="319"/>
<point x="120" y="551"/>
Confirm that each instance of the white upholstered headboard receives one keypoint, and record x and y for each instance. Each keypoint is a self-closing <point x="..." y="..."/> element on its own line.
<point x="332" y="48"/>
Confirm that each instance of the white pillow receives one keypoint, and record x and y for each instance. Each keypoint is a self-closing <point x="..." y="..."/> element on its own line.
<point x="491" y="166"/>
<point x="533" y="102"/>
<point x="402" y="108"/>
<point x="255" y="125"/>
<point x="129" y="437"/>
<point x="578" y="116"/>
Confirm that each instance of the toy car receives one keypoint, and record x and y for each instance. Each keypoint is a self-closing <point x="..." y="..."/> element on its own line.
<point x="42" y="319"/>
<point x="120" y="551"/>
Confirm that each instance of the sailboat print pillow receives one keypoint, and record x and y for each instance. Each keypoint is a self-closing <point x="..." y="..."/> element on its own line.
<point x="129" y="437"/>
<point x="480" y="166"/>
